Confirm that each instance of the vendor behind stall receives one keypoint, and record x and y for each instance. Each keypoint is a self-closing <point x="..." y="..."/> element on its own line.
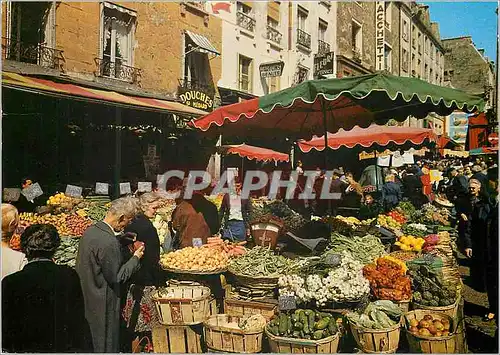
<point x="235" y="214"/>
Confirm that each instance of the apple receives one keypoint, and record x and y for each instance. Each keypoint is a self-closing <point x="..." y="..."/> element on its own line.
<point x="414" y="323"/>
<point x="428" y="317"/>
<point x="446" y="324"/>
<point x="439" y="326"/>
<point x="432" y="329"/>
<point x="424" y="332"/>
<point x="438" y="334"/>
<point x="445" y="333"/>
<point x="414" y="330"/>
<point x="424" y="324"/>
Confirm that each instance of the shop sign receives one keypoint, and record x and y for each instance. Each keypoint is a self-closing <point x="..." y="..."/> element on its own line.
<point x="73" y="191"/>
<point x="323" y="65"/>
<point x="125" y="188"/>
<point x="101" y="188"/>
<point x="270" y="70"/>
<point x="11" y="194"/>
<point x="493" y="138"/>
<point x="32" y="191"/>
<point x="379" y="35"/>
<point x="144" y="186"/>
<point x="196" y="99"/>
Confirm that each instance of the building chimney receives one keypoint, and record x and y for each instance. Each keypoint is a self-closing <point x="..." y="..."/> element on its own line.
<point x="481" y="50"/>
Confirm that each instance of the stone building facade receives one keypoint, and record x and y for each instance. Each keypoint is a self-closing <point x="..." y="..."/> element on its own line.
<point x="152" y="48"/>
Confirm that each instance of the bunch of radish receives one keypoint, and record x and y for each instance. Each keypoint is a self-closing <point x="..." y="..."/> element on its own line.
<point x="232" y="249"/>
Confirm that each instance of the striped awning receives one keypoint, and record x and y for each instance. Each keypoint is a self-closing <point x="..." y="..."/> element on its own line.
<point x="202" y="43"/>
<point x="52" y="88"/>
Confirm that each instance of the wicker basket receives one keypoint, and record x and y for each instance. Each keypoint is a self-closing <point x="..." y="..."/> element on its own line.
<point x="187" y="305"/>
<point x="376" y="340"/>
<point x="430" y="345"/>
<point x="220" y="336"/>
<point x="451" y="310"/>
<point x="262" y="282"/>
<point x="328" y="345"/>
<point x="266" y="234"/>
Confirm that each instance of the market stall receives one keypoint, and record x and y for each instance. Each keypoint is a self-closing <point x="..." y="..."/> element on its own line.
<point x="251" y="152"/>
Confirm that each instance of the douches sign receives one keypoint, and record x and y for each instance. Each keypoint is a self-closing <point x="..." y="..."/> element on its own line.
<point x="196" y="99"/>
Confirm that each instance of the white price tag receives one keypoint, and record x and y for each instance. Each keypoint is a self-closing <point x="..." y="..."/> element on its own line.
<point x="197" y="242"/>
<point x="101" y="188"/>
<point x="73" y="191"/>
<point x="11" y="194"/>
<point x="32" y="191"/>
<point x="144" y="186"/>
<point x="125" y="188"/>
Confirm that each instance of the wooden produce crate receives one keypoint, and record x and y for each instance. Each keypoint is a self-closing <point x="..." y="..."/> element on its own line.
<point x="430" y="345"/>
<point x="241" y="308"/>
<point x="451" y="310"/>
<point x="376" y="340"/>
<point x="177" y="339"/>
<point x="284" y="345"/>
<point x="184" y="305"/>
<point x="221" y="336"/>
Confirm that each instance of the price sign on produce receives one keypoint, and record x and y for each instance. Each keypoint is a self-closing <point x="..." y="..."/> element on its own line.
<point x="125" y="188"/>
<point x="11" y="194"/>
<point x="287" y="303"/>
<point x="73" y="191"/>
<point x="333" y="259"/>
<point x="32" y="191"/>
<point x="101" y="188"/>
<point x="144" y="186"/>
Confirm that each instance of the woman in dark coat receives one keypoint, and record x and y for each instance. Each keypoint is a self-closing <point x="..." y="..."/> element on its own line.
<point x="42" y="305"/>
<point x="413" y="187"/>
<point x="138" y="308"/>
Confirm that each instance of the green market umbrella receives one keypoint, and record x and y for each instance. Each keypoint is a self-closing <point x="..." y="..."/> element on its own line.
<point x="318" y="106"/>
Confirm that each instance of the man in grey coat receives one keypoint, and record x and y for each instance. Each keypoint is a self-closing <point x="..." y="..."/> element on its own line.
<point x="100" y="267"/>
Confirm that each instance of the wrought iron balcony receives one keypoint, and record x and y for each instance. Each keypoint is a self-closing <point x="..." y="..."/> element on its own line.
<point x="303" y="38"/>
<point x="117" y="70"/>
<point x="38" y="54"/>
<point x="195" y="84"/>
<point x="323" y="47"/>
<point x="356" y="54"/>
<point x="245" y="21"/>
<point x="274" y="35"/>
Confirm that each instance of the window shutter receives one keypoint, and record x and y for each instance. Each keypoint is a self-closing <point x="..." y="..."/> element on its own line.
<point x="273" y="11"/>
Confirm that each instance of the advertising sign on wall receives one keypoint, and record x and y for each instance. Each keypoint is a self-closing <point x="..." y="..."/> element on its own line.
<point x="323" y="65"/>
<point x="196" y="99"/>
<point x="270" y="70"/>
<point x="379" y="35"/>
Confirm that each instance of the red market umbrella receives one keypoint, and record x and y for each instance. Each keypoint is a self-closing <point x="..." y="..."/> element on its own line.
<point x="257" y="153"/>
<point x="375" y="137"/>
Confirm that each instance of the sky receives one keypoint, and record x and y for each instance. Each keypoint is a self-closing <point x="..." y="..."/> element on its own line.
<point x="475" y="19"/>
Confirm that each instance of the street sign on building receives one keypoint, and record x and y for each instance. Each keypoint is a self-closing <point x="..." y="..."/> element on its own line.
<point x="272" y="69"/>
<point x="197" y="99"/>
<point x="323" y="65"/>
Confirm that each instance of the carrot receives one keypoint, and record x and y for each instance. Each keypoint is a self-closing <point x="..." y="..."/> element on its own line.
<point x="241" y="243"/>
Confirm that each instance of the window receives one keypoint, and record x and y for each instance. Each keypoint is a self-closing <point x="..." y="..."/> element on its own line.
<point x="243" y="8"/>
<point x="413" y="65"/>
<point x="405" y="31"/>
<point x="245" y="74"/>
<point x="419" y="69"/>
<point x="432" y="51"/>
<point x="426" y="72"/>
<point x="431" y="75"/>
<point x="414" y="37"/>
<point x="302" y="19"/>
<point x="388" y="58"/>
<point x="273" y="84"/>
<point x="419" y="43"/>
<point x="405" y="60"/>
<point x="426" y="45"/>
<point x="272" y="22"/>
<point x="196" y="66"/>
<point x="117" y="24"/>
<point x="356" y="37"/>
<point x="322" y="28"/>
<point x="388" y="14"/>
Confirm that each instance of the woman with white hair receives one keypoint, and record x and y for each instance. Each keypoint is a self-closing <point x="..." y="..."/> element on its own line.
<point x="99" y="264"/>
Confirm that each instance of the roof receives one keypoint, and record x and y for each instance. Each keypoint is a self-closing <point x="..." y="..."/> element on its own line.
<point x="203" y="43"/>
<point x="52" y="88"/>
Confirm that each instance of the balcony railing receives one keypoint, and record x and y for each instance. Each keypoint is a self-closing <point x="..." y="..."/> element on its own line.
<point x="32" y="53"/>
<point x="117" y="70"/>
<point x="245" y="21"/>
<point x="356" y="54"/>
<point x="323" y="47"/>
<point x="274" y="35"/>
<point x="196" y="84"/>
<point x="303" y="38"/>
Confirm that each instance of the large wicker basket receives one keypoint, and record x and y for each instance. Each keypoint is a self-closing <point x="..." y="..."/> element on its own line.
<point x="183" y="305"/>
<point x="220" y="336"/>
<point x="376" y="340"/>
<point x="282" y="345"/>
<point x="259" y="282"/>
<point x="430" y="345"/>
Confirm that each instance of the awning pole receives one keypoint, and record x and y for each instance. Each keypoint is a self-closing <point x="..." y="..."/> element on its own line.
<point x="323" y="108"/>
<point x="118" y="151"/>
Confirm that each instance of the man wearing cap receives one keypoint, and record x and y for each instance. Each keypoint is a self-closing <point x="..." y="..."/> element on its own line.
<point x="458" y="186"/>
